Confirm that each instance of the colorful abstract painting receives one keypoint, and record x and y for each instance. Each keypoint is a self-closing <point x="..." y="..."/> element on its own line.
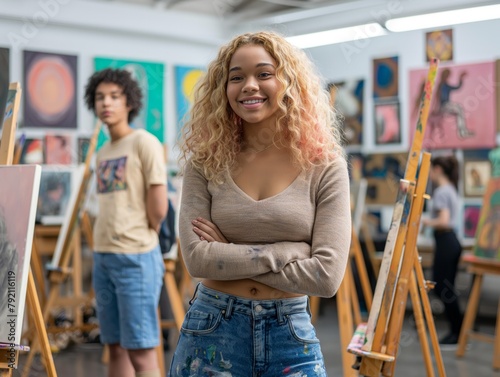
<point x="439" y="44"/>
<point x="387" y="123"/>
<point x="33" y="151"/>
<point x="4" y="81"/>
<point x="50" y="82"/>
<point x="150" y="76"/>
<point x="347" y="100"/>
<point x="487" y="243"/>
<point x="186" y="79"/>
<point x="383" y="173"/>
<point x="471" y="219"/>
<point x="385" y="78"/>
<point x="18" y="198"/>
<point x="58" y="149"/>
<point x="462" y="113"/>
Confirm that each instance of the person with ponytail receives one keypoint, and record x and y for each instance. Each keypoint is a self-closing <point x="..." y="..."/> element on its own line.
<point x="444" y="175"/>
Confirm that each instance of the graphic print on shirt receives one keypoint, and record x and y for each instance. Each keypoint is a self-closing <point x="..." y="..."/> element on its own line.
<point x="111" y="175"/>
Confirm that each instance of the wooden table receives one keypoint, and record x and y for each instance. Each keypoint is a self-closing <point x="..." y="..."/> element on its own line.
<point x="479" y="267"/>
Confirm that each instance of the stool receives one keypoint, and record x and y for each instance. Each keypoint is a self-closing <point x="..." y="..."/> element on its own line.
<point x="479" y="267"/>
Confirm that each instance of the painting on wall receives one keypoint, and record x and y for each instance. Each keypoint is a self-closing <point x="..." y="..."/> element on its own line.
<point x="476" y="172"/>
<point x="150" y="76"/>
<point x="4" y="81"/>
<point x="387" y="123"/>
<point x="186" y="79"/>
<point x="471" y="219"/>
<point x="347" y="99"/>
<point x="383" y="173"/>
<point x="18" y="198"/>
<point x="83" y="148"/>
<point x="58" y="149"/>
<point x="33" y="151"/>
<point x="50" y="82"/>
<point x="55" y="191"/>
<point x="385" y="78"/>
<point x="462" y="113"/>
<point x="439" y="44"/>
<point x="487" y="243"/>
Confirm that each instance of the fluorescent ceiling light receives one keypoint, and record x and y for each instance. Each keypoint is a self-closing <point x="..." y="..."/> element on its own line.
<point x="452" y="17"/>
<point x="329" y="37"/>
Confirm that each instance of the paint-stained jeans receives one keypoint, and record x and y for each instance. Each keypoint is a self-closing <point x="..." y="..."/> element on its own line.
<point x="229" y="336"/>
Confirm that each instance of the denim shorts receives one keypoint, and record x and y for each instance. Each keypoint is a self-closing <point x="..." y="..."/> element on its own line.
<point x="127" y="289"/>
<point x="225" y="335"/>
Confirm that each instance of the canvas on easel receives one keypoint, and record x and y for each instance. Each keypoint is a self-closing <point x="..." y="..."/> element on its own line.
<point x="9" y="354"/>
<point x="18" y="197"/>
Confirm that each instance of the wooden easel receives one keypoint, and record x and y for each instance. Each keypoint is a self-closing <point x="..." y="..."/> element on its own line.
<point x="401" y="271"/>
<point x="6" y="158"/>
<point x="59" y="275"/>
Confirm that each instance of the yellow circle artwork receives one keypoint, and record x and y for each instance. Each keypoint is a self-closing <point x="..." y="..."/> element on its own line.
<point x="189" y="83"/>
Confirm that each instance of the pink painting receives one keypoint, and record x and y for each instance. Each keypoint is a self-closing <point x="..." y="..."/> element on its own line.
<point x="58" y="149"/>
<point x="462" y="113"/>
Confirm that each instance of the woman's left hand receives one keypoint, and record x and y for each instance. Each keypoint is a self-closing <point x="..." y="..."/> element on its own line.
<point x="208" y="231"/>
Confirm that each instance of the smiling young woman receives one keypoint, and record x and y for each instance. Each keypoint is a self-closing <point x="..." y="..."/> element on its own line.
<point x="265" y="216"/>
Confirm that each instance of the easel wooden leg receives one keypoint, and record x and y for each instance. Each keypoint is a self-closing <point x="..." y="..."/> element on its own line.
<point x="424" y="296"/>
<point x="421" y="328"/>
<point x="77" y="276"/>
<point x="356" y="311"/>
<point x="344" y="311"/>
<point x="470" y="314"/>
<point x="175" y="298"/>
<point x="40" y="327"/>
<point x="314" y="302"/>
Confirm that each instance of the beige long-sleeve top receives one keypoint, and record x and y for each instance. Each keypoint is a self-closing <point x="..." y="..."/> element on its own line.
<point x="296" y="241"/>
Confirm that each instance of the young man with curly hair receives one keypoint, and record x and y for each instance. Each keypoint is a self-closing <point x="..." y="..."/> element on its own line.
<point x="128" y="267"/>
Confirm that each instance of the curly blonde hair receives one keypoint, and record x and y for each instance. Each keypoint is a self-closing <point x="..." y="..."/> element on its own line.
<point x="212" y="136"/>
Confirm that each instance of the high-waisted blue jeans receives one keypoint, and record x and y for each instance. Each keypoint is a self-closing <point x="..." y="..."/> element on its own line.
<point x="230" y="336"/>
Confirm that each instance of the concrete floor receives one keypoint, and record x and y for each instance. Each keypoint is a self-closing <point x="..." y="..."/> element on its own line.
<point x="83" y="360"/>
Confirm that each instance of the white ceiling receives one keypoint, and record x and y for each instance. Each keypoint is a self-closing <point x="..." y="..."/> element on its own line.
<point x="240" y="9"/>
<point x="239" y="12"/>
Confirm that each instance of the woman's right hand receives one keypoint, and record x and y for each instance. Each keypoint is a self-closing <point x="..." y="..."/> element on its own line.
<point x="208" y="231"/>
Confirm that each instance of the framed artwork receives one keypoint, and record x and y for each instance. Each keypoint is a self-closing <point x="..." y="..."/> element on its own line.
<point x="387" y="123"/>
<point x="56" y="186"/>
<point x="470" y="219"/>
<point x="4" y="81"/>
<point x="50" y="98"/>
<point x="18" y="198"/>
<point x="150" y="76"/>
<point x="33" y="151"/>
<point x="476" y="174"/>
<point x="439" y="44"/>
<point x="58" y="149"/>
<point x="186" y="79"/>
<point x="383" y="173"/>
<point x="487" y="243"/>
<point x="347" y="99"/>
<point x="385" y="78"/>
<point x="462" y="113"/>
